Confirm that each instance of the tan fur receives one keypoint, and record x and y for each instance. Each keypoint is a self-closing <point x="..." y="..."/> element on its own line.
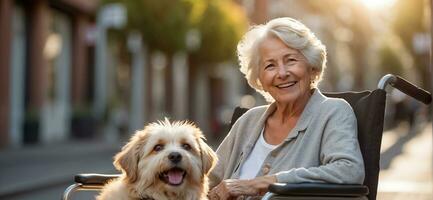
<point x="141" y="165"/>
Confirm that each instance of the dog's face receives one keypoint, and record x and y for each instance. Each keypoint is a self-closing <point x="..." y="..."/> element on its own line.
<point x="167" y="156"/>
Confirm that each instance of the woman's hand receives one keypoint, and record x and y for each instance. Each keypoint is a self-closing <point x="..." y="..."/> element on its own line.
<point x="232" y="188"/>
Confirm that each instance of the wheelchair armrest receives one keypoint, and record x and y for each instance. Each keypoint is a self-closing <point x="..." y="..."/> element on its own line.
<point x="94" y="179"/>
<point x="318" y="189"/>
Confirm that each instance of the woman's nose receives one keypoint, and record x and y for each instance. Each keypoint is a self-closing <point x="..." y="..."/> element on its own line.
<point x="282" y="70"/>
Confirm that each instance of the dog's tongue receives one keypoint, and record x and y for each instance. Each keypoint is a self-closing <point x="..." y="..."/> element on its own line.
<point x="175" y="177"/>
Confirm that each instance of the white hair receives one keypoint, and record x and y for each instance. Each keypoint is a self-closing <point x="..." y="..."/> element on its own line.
<point x="290" y="31"/>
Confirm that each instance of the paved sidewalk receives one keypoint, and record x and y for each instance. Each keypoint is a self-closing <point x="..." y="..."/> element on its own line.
<point x="32" y="168"/>
<point x="410" y="173"/>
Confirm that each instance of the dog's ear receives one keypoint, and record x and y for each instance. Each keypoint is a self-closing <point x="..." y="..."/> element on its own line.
<point x="209" y="157"/>
<point x="127" y="159"/>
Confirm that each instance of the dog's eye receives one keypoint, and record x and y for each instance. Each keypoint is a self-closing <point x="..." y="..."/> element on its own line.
<point x="158" y="147"/>
<point x="186" y="147"/>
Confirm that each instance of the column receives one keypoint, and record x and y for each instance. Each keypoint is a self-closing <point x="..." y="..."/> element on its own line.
<point x="260" y="13"/>
<point x="17" y="76"/>
<point x="5" y="49"/>
<point x="180" y="86"/>
<point x="79" y="61"/>
<point x="138" y="101"/>
<point x="37" y="64"/>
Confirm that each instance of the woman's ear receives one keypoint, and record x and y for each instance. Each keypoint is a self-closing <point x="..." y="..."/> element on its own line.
<point x="314" y="73"/>
<point x="127" y="159"/>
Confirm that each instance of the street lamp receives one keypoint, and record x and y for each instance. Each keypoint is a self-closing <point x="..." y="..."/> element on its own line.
<point x="193" y="39"/>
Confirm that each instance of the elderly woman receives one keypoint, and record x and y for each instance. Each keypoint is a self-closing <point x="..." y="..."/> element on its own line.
<point x="301" y="136"/>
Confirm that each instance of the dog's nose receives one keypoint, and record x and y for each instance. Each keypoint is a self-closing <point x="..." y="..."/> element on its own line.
<point x="175" y="157"/>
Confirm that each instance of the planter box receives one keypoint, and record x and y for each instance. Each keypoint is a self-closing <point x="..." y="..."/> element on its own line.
<point x="31" y="132"/>
<point x="83" y="127"/>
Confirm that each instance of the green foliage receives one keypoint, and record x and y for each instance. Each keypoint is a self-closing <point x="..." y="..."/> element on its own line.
<point x="390" y="61"/>
<point x="411" y="18"/>
<point x="222" y="26"/>
<point x="82" y="111"/>
<point x="164" y="24"/>
<point x="408" y="19"/>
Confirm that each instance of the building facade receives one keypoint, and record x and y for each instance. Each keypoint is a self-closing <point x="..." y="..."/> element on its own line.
<point x="46" y="67"/>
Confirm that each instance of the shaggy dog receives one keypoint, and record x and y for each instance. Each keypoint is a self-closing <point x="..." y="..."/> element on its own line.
<point x="166" y="160"/>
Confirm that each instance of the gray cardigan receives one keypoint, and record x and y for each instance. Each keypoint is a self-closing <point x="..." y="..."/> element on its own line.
<point x="322" y="147"/>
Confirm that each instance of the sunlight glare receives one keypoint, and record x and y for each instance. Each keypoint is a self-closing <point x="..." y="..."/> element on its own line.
<point x="377" y="4"/>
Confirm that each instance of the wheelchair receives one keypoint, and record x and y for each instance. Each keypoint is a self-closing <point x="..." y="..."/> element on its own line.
<point x="369" y="108"/>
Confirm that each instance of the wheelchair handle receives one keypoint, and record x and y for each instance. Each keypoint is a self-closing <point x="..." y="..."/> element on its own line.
<point x="94" y="179"/>
<point x="406" y="87"/>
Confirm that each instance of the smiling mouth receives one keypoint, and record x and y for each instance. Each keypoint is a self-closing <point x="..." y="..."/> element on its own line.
<point x="173" y="176"/>
<point x="286" y="85"/>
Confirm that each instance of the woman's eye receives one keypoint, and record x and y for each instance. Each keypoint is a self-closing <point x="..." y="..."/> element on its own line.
<point x="289" y="60"/>
<point x="269" y="66"/>
<point x="186" y="147"/>
<point x="158" y="147"/>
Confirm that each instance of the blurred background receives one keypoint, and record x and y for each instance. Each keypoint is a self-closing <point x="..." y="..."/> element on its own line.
<point x="78" y="77"/>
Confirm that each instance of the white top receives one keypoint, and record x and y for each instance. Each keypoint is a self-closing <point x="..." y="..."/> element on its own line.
<point x="255" y="160"/>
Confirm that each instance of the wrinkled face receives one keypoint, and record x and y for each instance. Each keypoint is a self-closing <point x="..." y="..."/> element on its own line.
<point x="166" y="155"/>
<point x="283" y="71"/>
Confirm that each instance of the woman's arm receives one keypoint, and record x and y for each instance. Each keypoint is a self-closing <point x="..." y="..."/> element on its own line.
<point x="340" y="156"/>
<point x="224" y="153"/>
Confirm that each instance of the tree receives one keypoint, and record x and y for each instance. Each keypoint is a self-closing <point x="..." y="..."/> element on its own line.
<point x="222" y="25"/>
<point x="390" y="61"/>
<point x="410" y="19"/>
<point x="355" y="19"/>
<point x="165" y="23"/>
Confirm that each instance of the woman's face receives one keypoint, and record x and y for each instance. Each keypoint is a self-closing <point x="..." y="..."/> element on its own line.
<point x="283" y="71"/>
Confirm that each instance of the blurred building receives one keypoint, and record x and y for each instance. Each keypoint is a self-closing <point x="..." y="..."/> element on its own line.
<point x="52" y="84"/>
<point x="46" y="58"/>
